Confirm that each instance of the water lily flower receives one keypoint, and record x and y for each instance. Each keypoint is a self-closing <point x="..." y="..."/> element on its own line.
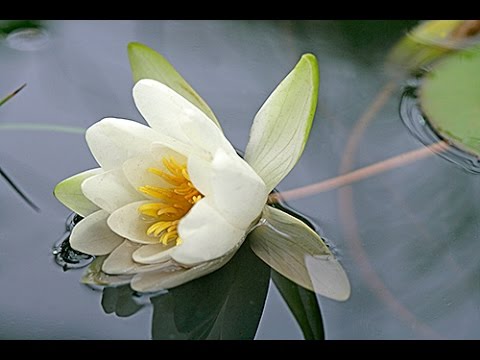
<point x="177" y="191"/>
<point x="173" y="201"/>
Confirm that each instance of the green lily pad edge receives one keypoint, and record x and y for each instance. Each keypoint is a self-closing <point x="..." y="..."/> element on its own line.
<point x="450" y="99"/>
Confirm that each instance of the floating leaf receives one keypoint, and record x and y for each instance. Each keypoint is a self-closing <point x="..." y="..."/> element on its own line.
<point x="226" y="304"/>
<point x="281" y="127"/>
<point x="146" y="63"/>
<point x="297" y="252"/>
<point x="304" y="306"/>
<point x="449" y="96"/>
<point x="70" y="194"/>
<point x="429" y="41"/>
<point x="9" y="26"/>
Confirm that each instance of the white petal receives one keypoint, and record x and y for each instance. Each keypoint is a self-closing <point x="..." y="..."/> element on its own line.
<point x="110" y="190"/>
<point x="112" y="141"/>
<point x="239" y="194"/>
<point x="94" y="275"/>
<point x="206" y="235"/>
<point x="163" y="108"/>
<point x="162" y="280"/>
<point x="120" y="261"/>
<point x="136" y="169"/>
<point x="157" y="280"/>
<point x="158" y="147"/>
<point x="93" y="236"/>
<point x="200" y="172"/>
<point x="172" y="115"/>
<point x="153" y="254"/>
<point x="206" y="135"/>
<point x="128" y="223"/>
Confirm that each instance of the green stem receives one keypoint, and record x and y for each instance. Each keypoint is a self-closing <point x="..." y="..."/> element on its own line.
<point x="4" y="100"/>
<point x="41" y="127"/>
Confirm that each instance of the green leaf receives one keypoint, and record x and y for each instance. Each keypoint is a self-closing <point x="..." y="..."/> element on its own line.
<point x="70" y="194"/>
<point x="303" y="305"/>
<point x="9" y="26"/>
<point x="425" y="43"/>
<point x="450" y="98"/>
<point x="297" y="252"/>
<point x="281" y="127"/>
<point x="146" y="63"/>
<point x="226" y="304"/>
<point x="8" y="97"/>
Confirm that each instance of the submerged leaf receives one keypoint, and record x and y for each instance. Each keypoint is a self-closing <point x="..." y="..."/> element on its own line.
<point x="304" y="306"/>
<point x="297" y="252"/>
<point x="226" y="304"/>
<point x="281" y="127"/>
<point x="146" y="63"/>
<point x="449" y="96"/>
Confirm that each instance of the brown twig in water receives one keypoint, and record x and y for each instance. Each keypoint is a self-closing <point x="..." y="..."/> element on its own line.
<point x="362" y="173"/>
<point x="350" y="225"/>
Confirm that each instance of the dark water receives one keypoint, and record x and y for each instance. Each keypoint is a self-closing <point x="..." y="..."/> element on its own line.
<point x="407" y="238"/>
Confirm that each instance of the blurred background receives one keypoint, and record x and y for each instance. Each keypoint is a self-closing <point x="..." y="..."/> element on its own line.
<point x="407" y="238"/>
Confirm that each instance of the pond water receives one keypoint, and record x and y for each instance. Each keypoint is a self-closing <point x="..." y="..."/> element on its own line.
<point x="407" y="238"/>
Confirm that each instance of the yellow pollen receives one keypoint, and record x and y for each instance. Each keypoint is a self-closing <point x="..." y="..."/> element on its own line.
<point x="173" y="202"/>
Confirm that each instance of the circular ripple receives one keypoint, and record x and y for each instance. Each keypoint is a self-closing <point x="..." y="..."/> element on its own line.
<point x="418" y="125"/>
<point x="28" y="39"/>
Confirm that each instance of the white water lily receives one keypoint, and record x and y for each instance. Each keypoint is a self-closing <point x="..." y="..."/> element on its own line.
<point x="176" y="191"/>
<point x="173" y="201"/>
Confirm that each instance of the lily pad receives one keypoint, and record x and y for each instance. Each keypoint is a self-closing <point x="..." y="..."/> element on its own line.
<point x="450" y="99"/>
<point x="425" y="43"/>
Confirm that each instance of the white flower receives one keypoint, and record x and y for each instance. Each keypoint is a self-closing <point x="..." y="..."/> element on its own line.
<point x="173" y="201"/>
<point x="171" y="195"/>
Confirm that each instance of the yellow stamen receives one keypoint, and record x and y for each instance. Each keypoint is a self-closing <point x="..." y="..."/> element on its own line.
<point x="173" y="202"/>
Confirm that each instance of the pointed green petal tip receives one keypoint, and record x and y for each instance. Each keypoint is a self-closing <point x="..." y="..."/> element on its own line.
<point x="146" y="63"/>
<point x="281" y="127"/>
<point x="69" y="193"/>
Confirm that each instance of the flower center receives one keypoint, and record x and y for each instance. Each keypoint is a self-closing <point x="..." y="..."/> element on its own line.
<point x="174" y="202"/>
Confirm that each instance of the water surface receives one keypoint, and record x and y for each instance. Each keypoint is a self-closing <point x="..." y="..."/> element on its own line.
<point x="407" y="238"/>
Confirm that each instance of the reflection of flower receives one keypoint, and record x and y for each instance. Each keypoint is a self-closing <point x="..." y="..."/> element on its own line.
<point x="176" y="191"/>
